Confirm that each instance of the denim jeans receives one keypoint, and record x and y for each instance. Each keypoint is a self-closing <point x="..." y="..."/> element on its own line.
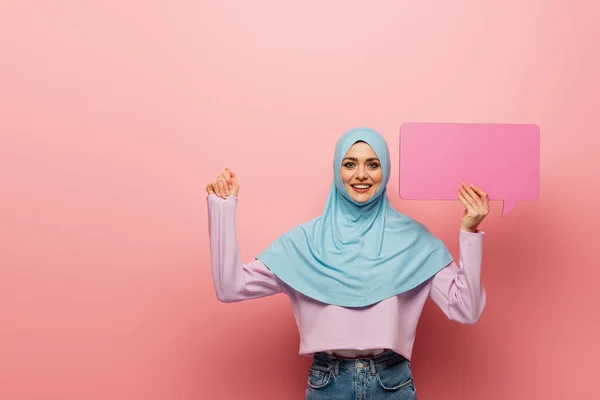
<point x="382" y="377"/>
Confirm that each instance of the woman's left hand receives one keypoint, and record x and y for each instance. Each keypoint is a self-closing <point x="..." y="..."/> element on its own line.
<point x="477" y="206"/>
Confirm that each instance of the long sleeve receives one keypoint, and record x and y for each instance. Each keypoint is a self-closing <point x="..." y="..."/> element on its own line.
<point x="458" y="292"/>
<point x="233" y="280"/>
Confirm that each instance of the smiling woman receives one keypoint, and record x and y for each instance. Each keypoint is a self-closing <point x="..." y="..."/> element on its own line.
<point x="361" y="172"/>
<point x="357" y="276"/>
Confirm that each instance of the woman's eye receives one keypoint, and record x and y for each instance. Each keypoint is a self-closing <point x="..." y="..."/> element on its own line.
<point x="349" y="165"/>
<point x="374" y="165"/>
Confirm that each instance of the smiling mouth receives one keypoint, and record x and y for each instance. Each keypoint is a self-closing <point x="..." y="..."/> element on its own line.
<point x="361" y="188"/>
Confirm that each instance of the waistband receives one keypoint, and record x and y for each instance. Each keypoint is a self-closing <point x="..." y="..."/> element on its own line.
<point x="323" y="361"/>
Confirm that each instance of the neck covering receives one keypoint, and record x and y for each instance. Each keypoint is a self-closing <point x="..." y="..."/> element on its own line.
<point x="356" y="254"/>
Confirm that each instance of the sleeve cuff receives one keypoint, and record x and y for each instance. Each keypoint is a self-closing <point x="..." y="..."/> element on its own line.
<point x="213" y="197"/>
<point x="477" y="232"/>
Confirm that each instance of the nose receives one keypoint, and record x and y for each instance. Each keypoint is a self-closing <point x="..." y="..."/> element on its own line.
<point x="361" y="173"/>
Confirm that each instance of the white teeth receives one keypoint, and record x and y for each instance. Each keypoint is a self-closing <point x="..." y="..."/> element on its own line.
<point x="362" y="186"/>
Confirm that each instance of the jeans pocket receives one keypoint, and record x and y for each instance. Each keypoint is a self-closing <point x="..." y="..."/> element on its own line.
<point x="395" y="377"/>
<point x="318" y="379"/>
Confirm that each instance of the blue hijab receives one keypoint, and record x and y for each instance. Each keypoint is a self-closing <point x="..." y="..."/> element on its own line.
<point x="356" y="254"/>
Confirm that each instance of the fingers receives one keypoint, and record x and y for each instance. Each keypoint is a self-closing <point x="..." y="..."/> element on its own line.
<point x="467" y="204"/>
<point x="232" y="179"/>
<point x="476" y="198"/>
<point x="209" y="189"/>
<point x="222" y="185"/>
<point x="480" y="192"/>
<point x="228" y="179"/>
<point x="472" y="194"/>
<point x="484" y="198"/>
<point x="468" y="197"/>
<point x="215" y="186"/>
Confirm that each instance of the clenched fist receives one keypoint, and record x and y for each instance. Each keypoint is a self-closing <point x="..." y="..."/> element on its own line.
<point x="224" y="185"/>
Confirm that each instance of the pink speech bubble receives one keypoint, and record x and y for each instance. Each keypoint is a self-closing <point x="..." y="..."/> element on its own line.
<point x="501" y="159"/>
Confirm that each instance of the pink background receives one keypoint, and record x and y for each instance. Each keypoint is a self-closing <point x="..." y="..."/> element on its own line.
<point x="115" y="114"/>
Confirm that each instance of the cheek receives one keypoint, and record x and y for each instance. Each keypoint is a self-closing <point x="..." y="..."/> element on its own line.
<point x="346" y="176"/>
<point x="378" y="177"/>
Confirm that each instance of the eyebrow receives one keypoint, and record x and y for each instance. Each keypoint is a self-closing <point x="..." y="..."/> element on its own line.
<point x="356" y="159"/>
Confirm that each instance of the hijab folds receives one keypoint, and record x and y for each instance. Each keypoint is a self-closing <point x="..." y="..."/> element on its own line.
<point x="356" y="254"/>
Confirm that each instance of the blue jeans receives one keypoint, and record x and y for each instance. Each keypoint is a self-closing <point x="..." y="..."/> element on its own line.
<point x="385" y="376"/>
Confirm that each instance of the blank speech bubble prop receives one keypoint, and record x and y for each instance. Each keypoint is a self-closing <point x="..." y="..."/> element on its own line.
<point x="501" y="159"/>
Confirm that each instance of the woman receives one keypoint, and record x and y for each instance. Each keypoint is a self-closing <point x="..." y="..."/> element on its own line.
<point x="357" y="276"/>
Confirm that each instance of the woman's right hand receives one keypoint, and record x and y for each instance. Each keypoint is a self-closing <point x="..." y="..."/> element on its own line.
<point x="224" y="185"/>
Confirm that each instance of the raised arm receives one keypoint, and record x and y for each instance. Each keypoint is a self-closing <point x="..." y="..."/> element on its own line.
<point x="233" y="280"/>
<point x="458" y="291"/>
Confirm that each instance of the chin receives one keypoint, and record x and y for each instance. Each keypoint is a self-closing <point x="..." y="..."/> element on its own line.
<point x="362" y="198"/>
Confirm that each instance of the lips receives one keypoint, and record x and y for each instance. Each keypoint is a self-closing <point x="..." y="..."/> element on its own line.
<point x="361" y="188"/>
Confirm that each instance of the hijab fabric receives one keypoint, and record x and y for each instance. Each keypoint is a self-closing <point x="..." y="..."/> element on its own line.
<point x="356" y="254"/>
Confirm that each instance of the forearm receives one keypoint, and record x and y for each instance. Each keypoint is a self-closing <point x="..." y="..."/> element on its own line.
<point x="233" y="280"/>
<point x="458" y="291"/>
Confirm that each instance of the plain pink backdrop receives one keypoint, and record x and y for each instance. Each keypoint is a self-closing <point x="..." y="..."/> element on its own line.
<point x="114" y="115"/>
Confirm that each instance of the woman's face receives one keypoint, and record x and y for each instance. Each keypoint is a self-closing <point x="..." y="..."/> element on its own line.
<point x="361" y="172"/>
